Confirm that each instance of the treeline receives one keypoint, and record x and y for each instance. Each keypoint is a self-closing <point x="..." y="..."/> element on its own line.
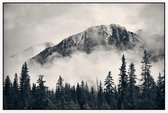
<point x="126" y="95"/>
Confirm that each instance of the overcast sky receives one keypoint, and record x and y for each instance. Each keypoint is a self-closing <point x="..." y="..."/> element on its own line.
<point x="29" y="24"/>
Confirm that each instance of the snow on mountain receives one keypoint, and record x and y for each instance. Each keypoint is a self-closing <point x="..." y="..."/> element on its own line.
<point x="104" y="35"/>
<point x="90" y="54"/>
<point x="31" y="51"/>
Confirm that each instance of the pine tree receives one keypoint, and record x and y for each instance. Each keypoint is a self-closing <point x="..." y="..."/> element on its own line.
<point x="42" y="97"/>
<point x="50" y="96"/>
<point x="15" y="92"/>
<point x="92" y="98"/>
<point x="148" y="85"/>
<point x="34" y="104"/>
<point x="78" y="94"/>
<point x="101" y="103"/>
<point x="86" y="93"/>
<point x="122" y="87"/>
<point x="67" y="95"/>
<point x="73" y="100"/>
<point x="73" y="94"/>
<point x="109" y="91"/>
<point x="25" y="88"/>
<point x="83" y="96"/>
<point x="131" y="86"/>
<point x="160" y="99"/>
<point x="60" y="94"/>
<point x="115" y="96"/>
<point x="7" y="93"/>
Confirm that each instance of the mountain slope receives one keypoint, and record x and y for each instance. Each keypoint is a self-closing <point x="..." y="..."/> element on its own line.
<point x="31" y="51"/>
<point x="87" y="41"/>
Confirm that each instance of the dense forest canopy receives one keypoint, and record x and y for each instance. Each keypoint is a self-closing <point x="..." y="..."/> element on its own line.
<point x="107" y="95"/>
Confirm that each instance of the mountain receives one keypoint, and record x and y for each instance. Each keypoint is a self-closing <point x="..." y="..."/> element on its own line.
<point x="104" y="35"/>
<point x="31" y="51"/>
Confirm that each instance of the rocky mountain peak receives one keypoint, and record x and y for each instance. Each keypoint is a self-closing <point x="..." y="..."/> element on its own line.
<point x="102" y="35"/>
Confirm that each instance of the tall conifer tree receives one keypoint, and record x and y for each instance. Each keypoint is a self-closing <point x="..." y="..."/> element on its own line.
<point x="160" y="99"/>
<point x="7" y="93"/>
<point x="15" y="91"/>
<point x="131" y="86"/>
<point x="122" y="86"/>
<point x="25" y="88"/>
<point x="148" y="86"/>
<point x="60" y="93"/>
<point x="109" y="90"/>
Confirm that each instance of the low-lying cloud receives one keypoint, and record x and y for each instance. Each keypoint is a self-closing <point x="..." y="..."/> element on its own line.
<point x="89" y="67"/>
<point x="53" y="23"/>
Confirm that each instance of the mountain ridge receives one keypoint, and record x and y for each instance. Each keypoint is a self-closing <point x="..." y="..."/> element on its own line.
<point x="31" y="51"/>
<point x="106" y="35"/>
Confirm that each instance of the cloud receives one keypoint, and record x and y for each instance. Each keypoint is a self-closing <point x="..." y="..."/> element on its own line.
<point x="152" y="16"/>
<point x="29" y="24"/>
<point x="91" y="67"/>
<point x="37" y="23"/>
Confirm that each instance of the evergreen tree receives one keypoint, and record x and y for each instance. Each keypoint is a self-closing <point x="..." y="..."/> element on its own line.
<point x="34" y="104"/>
<point x="42" y="101"/>
<point x="15" y="92"/>
<point x="131" y="86"/>
<point x="115" y="96"/>
<point x="60" y="94"/>
<point x="73" y="100"/>
<point x="7" y="93"/>
<point x="100" y="97"/>
<point x="149" y="95"/>
<point x="67" y="96"/>
<point x="50" y="96"/>
<point x="109" y="91"/>
<point x="42" y="95"/>
<point x="122" y="86"/>
<point x="86" y="93"/>
<point x="148" y="85"/>
<point x="92" y="98"/>
<point x="25" y="88"/>
<point x="160" y="99"/>
<point x="73" y="94"/>
<point x="101" y="103"/>
<point x="78" y="94"/>
<point x="83" y="96"/>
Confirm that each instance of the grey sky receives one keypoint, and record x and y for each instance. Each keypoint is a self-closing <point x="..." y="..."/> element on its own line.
<point x="29" y="24"/>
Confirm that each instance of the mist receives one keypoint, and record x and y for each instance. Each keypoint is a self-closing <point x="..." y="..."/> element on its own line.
<point x="88" y="67"/>
<point x="55" y="26"/>
<point x="30" y="24"/>
<point x="92" y="67"/>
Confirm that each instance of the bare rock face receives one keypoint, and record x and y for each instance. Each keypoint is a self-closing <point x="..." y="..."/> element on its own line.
<point x="86" y="41"/>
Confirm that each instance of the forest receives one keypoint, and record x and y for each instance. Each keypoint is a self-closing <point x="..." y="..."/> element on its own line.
<point x="150" y="94"/>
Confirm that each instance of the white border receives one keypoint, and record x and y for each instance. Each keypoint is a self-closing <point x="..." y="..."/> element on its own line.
<point x="73" y="111"/>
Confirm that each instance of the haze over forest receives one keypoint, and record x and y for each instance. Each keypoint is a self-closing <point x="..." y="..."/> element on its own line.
<point x="26" y="25"/>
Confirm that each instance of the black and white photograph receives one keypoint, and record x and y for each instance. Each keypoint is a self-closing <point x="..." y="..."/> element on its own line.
<point x="83" y="56"/>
